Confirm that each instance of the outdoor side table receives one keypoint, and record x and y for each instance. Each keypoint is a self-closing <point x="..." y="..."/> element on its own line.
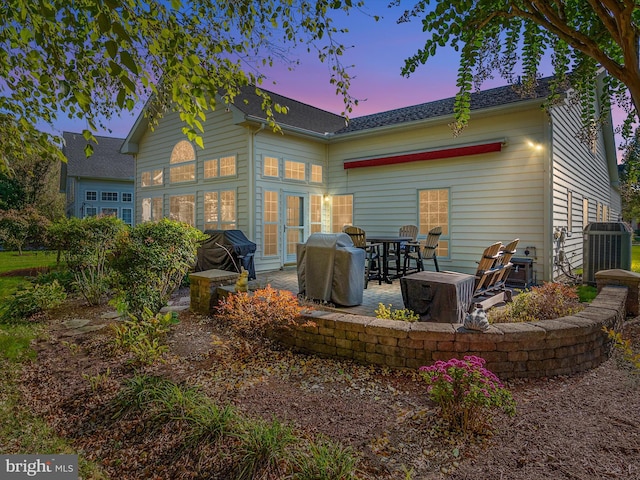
<point x="438" y="296"/>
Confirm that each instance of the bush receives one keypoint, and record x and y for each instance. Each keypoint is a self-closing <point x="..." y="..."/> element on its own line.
<point x="32" y="300"/>
<point x="22" y="227"/>
<point x="144" y="337"/>
<point x="466" y="392"/>
<point x="404" y="315"/>
<point x="257" y="313"/>
<point x="546" y="302"/>
<point x="88" y="245"/>
<point x="152" y="260"/>
<point x="64" y="277"/>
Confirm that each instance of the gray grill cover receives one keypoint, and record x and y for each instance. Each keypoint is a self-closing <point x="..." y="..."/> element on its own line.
<point x="331" y="269"/>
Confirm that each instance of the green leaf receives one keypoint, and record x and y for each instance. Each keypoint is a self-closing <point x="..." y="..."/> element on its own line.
<point x="128" y="61"/>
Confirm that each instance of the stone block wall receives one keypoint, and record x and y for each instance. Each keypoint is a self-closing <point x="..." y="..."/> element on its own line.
<point x="533" y="349"/>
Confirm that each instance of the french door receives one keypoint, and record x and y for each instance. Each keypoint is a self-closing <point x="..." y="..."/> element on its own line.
<point x="294" y="224"/>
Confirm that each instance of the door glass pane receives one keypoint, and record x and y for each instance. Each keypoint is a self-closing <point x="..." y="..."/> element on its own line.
<point x="294" y="223"/>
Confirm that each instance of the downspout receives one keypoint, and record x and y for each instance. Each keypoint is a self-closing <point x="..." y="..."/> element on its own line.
<point x="252" y="182"/>
<point x="547" y="229"/>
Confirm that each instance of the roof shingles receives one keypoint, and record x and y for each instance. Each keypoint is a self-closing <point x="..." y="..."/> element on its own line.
<point x="106" y="162"/>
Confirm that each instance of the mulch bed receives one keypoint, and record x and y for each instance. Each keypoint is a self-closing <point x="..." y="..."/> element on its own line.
<point x="584" y="426"/>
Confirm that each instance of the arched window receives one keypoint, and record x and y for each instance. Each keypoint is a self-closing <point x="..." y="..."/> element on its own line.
<point x="183" y="154"/>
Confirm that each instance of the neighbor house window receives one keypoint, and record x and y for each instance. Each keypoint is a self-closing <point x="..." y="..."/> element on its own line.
<point x="184" y="154"/>
<point x="220" y="210"/>
<point x="598" y="212"/>
<point x="585" y="212"/>
<point x="569" y="211"/>
<point x="433" y="211"/>
<point x="109" y="212"/>
<point x="127" y="197"/>
<point x="90" y="211"/>
<point x="605" y="213"/>
<point x="270" y="241"/>
<point x="228" y="166"/>
<point x="91" y="196"/>
<point x="270" y="167"/>
<point x="316" y="173"/>
<point x="182" y="208"/>
<point x="341" y="212"/>
<point x="151" y="177"/>
<point x="109" y="196"/>
<point x="127" y="216"/>
<point x="294" y="170"/>
<point x="316" y="214"/>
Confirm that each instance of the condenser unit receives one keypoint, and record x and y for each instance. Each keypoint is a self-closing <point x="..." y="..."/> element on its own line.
<point x="607" y="245"/>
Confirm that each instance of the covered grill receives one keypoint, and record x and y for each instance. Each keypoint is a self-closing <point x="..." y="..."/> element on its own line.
<point x="211" y="253"/>
<point x="331" y="269"/>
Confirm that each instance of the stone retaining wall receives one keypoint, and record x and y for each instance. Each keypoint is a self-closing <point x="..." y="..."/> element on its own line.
<point x="533" y="349"/>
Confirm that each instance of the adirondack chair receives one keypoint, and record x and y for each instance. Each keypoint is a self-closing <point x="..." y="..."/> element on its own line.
<point x="487" y="268"/>
<point x="504" y="264"/>
<point x="424" y="250"/>
<point x="373" y="269"/>
<point x="492" y="272"/>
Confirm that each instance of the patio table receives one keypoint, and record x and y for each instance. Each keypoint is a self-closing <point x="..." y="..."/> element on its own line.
<point x="387" y="241"/>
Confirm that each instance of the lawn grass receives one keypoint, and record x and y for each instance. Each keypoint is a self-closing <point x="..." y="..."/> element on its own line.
<point x="12" y="261"/>
<point x="635" y="258"/>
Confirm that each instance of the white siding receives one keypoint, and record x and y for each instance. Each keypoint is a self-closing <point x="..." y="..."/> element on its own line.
<point x="493" y="197"/>
<point x="582" y="170"/>
<point x="221" y="138"/>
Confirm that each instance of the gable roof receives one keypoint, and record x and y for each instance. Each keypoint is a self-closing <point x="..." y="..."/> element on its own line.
<point x="314" y="121"/>
<point x="494" y="97"/>
<point x="106" y="162"/>
<point x="299" y="115"/>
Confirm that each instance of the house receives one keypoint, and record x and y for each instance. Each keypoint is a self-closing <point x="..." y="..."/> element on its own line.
<point x="517" y="171"/>
<point x="102" y="183"/>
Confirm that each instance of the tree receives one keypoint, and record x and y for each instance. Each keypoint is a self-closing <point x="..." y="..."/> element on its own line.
<point x="22" y="227"/>
<point x="584" y="35"/>
<point x="90" y="59"/>
<point x="630" y="180"/>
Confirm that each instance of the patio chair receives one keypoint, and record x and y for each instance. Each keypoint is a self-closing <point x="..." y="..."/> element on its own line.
<point x="396" y="256"/>
<point x="487" y="267"/>
<point x="423" y="250"/>
<point x="504" y="265"/>
<point x="373" y="268"/>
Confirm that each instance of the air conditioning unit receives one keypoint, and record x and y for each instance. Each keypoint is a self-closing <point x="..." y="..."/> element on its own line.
<point x="606" y="245"/>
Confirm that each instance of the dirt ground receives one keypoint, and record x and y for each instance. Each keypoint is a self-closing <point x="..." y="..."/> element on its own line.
<point x="585" y="426"/>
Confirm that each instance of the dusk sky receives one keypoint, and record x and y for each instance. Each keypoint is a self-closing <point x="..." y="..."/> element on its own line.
<point x="377" y="51"/>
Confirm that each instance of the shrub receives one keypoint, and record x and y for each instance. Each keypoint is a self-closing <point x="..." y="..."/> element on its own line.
<point x="546" y="302"/>
<point x="63" y="276"/>
<point x="466" y="392"/>
<point x="404" y="315"/>
<point x="152" y="260"/>
<point x="21" y="227"/>
<point x="88" y="244"/>
<point x="257" y="313"/>
<point x="144" y="337"/>
<point x="624" y="346"/>
<point x="325" y="460"/>
<point x="33" y="299"/>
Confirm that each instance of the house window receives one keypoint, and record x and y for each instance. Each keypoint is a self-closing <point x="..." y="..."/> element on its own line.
<point x="109" y="212"/>
<point x="183" y="153"/>
<point x="270" y="167"/>
<point x="569" y="211"/>
<point x="151" y="209"/>
<point x="316" y="214"/>
<point x="90" y="211"/>
<point x="220" y="210"/>
<point x="270" y="241"/>
<point x="127" y="197"/>
<point x="316" y="173"/>
<point x="605" y="213"/>
<point x="127" y="216"/>
<point x="599" y="212"/>
<point x="341" y="212"/>
<point x="433" y="211"/>
<point x="228" y="166"/>
<point x="182" y="208"/>
<point x="294" y="170"/>
<point x="211" y="168"/>
<point x="91" y="196"/>
<point x="151" y="177"/>
<point x="109" y="196"/>
<point x="585" y="212"/>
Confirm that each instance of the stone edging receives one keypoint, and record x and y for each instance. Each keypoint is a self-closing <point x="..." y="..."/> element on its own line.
<point x="532" y="349"/>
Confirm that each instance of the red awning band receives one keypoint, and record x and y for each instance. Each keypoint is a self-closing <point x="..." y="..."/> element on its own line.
<point x="428" y="155"/>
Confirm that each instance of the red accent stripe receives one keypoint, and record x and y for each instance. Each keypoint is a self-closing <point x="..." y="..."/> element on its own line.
<point x="421" y="156"/>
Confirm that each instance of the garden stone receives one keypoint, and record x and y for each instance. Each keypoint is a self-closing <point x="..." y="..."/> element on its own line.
<point x="477" y="319"/>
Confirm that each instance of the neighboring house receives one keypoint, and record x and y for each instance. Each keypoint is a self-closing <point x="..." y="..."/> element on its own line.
<point x="100" y="184"/>
<point x="516" y="171"/>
